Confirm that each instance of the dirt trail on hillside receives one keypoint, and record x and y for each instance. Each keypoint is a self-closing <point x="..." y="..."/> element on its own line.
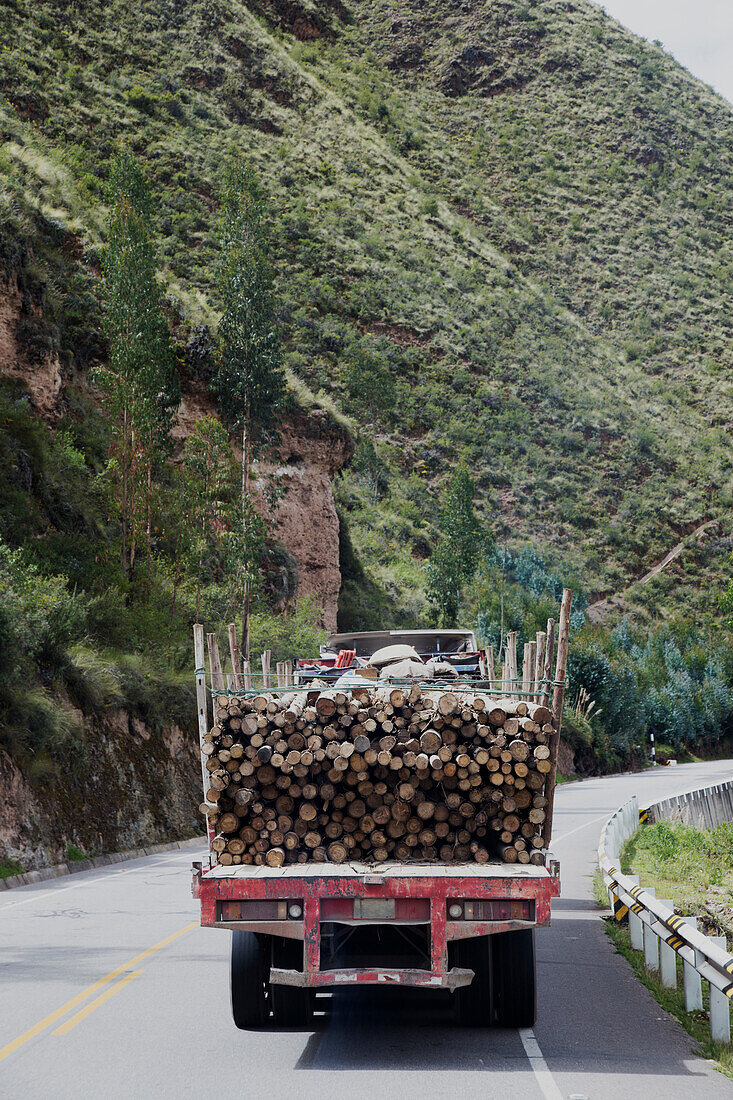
<point x="598" y="610"/>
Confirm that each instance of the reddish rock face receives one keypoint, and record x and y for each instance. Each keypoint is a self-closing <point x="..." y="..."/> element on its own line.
<point x="310" y="452"/>
<point x="38" y="370"/>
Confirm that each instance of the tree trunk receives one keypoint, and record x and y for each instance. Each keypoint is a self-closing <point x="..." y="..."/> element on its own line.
<point x="246" y="600"/>
<point x="124" y="501"/>
<point x="149" y="517"/>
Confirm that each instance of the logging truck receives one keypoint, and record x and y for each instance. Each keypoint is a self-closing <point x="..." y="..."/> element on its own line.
<point x="382" y="834"/>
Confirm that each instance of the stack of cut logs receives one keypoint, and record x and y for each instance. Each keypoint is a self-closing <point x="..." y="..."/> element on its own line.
<point x="371" y="774"/>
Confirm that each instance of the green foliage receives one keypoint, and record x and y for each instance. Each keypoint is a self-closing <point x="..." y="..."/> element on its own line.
<point x="38" y="617"/>
<point x="518" y="590"/>
<point x="138" y="381"/>
<point x="363" y="602"/>
<point x="462" y="541"/>
<point x="692" y="859"/>
<point x="74" y="854"/>
<point x="207" y="510"/>
<point x="609" y="676"/>
<point x="249" y="380"/>
<point x="370" y="386"/>
<point x="672" y="682"/>
<point x="552" y="248"/>
<point x="370" y="466"/>
<point x="10" y="867"/>
<point x="297" y="633"/>
<point x="726" y="603"/>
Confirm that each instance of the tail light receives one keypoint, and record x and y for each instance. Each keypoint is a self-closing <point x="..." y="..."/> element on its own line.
<point x="259" y="910"/>
<point x="491" y="910"/>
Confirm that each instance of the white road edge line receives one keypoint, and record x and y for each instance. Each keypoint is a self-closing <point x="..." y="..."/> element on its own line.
<point x="105" y="874"/>
<point x="541" y="1070"/>
<point x="585" y="825"/>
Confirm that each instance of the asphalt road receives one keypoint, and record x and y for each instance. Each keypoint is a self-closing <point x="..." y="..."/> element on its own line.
<point x="109" y="989"/>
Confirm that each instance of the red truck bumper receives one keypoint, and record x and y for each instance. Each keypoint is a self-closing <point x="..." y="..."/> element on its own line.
<point x="423" y="979"/>
<point x="492" y="902"/>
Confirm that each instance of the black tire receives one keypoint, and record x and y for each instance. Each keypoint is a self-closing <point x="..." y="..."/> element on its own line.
<point x="473" y="1002"/>
<point x="514" y="978"/>
<point x="250" y="986"/>
<point x="291" y="1006"/>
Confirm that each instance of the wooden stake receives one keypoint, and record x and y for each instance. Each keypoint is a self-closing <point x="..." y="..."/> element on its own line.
<point x="558" y="696"/>
<point x="547" y="670"/>
<point x="265" y="662"/>
<point x="512" y="659"/>
<point x="235" y="656"/>
<point x="530" y="650"/>
<point x="217" y="675"/>
<point x="201" y="707"/>
<point x="247" y="675"/>
<point x="490" y="666"/>
<point x="539" y="664"/>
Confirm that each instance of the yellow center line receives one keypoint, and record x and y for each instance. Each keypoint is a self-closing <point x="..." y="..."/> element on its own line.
<point x="31" y="1033"/>
<point x="88" y="1009"/>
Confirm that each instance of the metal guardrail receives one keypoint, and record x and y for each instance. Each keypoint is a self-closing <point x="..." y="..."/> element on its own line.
<point x="662" y="935"/>
<point x="704" y="808"/>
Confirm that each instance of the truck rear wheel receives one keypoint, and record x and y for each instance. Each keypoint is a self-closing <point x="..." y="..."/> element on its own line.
<point x="514" y="978"/>
<point x="473" y="1002"/>
<point x="291" y="1005"/>
<point x="250" y="986"/>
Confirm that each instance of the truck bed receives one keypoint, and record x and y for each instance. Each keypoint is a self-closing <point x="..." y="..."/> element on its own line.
<point x="389" y="869"/>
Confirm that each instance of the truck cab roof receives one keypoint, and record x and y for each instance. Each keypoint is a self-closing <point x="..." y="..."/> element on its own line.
<point x="427" y="642"/>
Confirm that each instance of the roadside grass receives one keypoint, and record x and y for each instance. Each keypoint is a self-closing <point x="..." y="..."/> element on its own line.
<point x="684" y="864"/>
<point x="10" y="867"/>
<point x="599" y="891"/>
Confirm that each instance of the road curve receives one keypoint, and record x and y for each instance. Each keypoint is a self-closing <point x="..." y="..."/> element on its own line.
<point x="108" y="988"/>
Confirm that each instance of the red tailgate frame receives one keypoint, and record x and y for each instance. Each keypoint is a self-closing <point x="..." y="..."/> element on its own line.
<point x="438" y="890"/>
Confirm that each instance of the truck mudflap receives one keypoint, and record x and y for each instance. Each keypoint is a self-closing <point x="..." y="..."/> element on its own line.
<point x="451" y="979"/>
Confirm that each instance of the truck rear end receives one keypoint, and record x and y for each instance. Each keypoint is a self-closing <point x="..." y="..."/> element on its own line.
<point x="462" y="928"/>
<point x="388" y="834"/>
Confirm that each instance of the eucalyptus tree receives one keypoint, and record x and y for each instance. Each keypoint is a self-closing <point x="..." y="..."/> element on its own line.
<point x="250" y="381"/>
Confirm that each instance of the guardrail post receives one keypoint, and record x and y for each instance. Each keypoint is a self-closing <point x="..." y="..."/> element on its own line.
<point x="636" y="930"/>
<point x="613" y="840"/>
<point x="631" y="818"/>
<point x="719" y="1004"/>
<point x="691" y="979"/>
<point x="667" y="956"/>
<point x="635" y="925"/>
<point x="651" y="943"/>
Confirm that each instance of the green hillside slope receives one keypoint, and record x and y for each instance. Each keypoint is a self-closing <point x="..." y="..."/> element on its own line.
<point x="520" y="208"/>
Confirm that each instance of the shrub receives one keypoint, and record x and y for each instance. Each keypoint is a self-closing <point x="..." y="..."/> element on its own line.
<point x="290" y="635"/>
<point x="38" y="617"/>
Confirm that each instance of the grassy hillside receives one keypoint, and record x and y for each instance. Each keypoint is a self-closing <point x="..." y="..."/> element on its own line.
<point x="520" y="208"/>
